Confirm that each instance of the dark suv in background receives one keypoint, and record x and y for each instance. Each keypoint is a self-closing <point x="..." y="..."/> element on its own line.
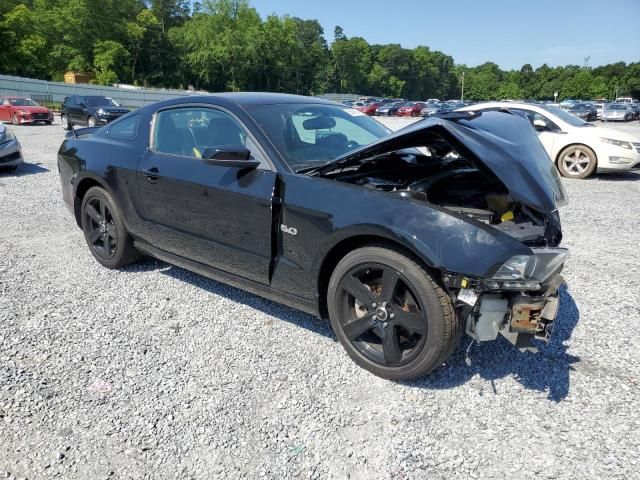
<point x="89" y="110"/>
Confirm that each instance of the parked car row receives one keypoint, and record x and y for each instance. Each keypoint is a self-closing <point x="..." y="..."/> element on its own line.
<point x="620" y="110"/>
<point x="403" y="108"/>
<point x="82" y="110"/>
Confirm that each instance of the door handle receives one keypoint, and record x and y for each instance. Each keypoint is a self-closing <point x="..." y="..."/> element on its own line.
<point x="151" y="173"/>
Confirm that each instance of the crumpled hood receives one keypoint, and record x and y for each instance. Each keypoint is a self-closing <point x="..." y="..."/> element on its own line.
<point x="503" y="143"/>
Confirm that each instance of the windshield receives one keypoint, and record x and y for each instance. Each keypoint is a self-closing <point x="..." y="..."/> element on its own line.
<point x="23" y="102"/>
<point x="565" y="116"/>
<point x="309" y="135"/>
<point x="100" y="102"/>
<point x="616" y="106"/>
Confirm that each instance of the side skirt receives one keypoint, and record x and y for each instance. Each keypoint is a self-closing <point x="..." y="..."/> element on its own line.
<point x="251" y="286"/>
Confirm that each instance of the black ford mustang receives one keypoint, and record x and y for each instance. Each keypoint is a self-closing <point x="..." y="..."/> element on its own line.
<point x="404" y="240"/>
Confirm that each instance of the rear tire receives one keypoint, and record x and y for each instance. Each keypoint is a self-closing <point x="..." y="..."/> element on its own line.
<point x="577" y="161"/>
<point x="413" y="327"/>
<point x="104" y="230"/>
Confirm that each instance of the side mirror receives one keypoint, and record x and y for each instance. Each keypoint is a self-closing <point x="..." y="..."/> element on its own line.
<point x="540" y="125"/>
<point x="229" y="156"/>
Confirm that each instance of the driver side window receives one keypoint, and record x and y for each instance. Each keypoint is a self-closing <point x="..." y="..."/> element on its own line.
<point x="187" y="132"/>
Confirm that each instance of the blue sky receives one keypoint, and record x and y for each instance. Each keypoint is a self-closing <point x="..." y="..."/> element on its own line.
<point x="507" y="32"/>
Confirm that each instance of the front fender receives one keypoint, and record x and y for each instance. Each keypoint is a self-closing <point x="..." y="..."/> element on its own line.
<point x="327" y="212"/>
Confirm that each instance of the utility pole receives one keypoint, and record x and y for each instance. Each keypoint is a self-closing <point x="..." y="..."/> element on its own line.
<point x="462" y="93"/>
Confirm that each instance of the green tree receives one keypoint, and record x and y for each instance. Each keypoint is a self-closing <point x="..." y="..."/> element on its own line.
<point x="111" y="60"/>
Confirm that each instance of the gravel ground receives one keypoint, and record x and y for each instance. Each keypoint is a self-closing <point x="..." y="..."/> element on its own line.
<point x="155" y="372"/>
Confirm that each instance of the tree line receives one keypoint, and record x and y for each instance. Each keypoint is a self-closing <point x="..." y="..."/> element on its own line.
<point x="224" y="45"/>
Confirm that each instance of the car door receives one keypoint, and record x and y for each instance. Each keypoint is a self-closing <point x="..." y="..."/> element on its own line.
<point x="76" y="111"/>
<point x="72" y="108"/>
<point x="216" y="215"/>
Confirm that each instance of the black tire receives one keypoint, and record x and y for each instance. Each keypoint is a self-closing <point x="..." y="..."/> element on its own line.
<point x="91" y="121"/>
<point x="64" y="121"/>
<point x="14" y="119"/>
<point x="48" y="122"/>
<point x="104" y="230"/>
<point x="577" y="161"/>
<point x="418" y="325"/>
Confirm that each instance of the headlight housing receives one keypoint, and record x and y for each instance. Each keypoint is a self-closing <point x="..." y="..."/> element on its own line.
<point x="101" y="111"/>
<point x="527" y="272"/>
<point x="519" y="267"/>
<point x="619" y="143"/>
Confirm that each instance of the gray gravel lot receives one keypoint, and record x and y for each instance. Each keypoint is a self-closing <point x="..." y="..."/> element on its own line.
<point x="155" y="372"/>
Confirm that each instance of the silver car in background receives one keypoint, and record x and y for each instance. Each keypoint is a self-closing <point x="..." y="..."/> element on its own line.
<point x="10" y="153"/>
<point x="617" y="112"/>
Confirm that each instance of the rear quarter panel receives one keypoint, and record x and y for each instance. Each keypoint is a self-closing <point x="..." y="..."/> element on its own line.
<point x="111" y="163"/>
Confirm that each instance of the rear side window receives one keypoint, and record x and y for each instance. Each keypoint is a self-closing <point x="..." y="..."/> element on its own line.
<point x="125" y="129"/>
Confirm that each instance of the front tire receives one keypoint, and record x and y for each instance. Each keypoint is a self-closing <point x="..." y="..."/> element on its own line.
<point x="577" y="161"/>
<point x="91" y="121"/>
<point x="15" y="120"/>
<point x="65" y="122"/>
<point x="104" y="230"/>
<point x="389" y="314"/>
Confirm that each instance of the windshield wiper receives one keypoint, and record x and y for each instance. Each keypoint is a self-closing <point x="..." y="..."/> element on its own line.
<point x="311" y="166"/>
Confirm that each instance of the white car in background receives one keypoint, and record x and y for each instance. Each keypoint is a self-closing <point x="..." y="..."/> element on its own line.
<point x="578" y="148"/>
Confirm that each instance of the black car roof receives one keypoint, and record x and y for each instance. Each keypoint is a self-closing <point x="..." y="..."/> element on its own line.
<point x="256" y="98"/>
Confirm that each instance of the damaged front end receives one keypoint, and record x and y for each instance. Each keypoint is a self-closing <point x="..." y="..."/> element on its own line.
<point x="491" y="172"/>
<point x="520" y="310"/>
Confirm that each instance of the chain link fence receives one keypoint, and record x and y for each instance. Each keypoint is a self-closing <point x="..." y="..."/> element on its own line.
<point x="54" y="93"/>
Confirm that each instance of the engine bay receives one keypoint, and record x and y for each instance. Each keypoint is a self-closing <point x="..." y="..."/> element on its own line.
<point x="453" y="183"/>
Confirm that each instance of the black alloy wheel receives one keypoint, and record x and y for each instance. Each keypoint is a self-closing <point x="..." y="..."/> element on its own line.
<point x="389" y="314"/>
<point x="104" y="230"/>
<point x="381" y="314"/>
<point x="103" y="234"/>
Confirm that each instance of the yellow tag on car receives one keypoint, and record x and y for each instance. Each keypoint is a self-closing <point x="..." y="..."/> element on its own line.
<point x="507" y="216"/>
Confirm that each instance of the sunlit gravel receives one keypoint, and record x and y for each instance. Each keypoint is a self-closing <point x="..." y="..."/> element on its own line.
<point x="155" y="372"/>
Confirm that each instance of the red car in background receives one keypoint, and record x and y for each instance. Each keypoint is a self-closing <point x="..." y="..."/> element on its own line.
<point x="368" y="108"/>
<point x="23" y="110"/>
<point x="411" y="109"/>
